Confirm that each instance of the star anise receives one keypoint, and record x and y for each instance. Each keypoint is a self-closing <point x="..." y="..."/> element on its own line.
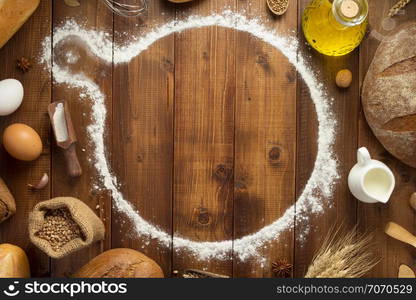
<point x="24" y="64"/>
<point x="282" y="269"/>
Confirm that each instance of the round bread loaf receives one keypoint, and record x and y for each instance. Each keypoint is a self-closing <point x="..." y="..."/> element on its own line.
<point x="389" y="94"/>
<point x="120" y="263"/>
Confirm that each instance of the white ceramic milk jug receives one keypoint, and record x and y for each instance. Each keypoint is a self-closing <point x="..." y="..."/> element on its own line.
<point x="370" y="180"/>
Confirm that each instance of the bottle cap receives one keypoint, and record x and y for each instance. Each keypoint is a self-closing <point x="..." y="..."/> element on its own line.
<point x="349" y="8"/>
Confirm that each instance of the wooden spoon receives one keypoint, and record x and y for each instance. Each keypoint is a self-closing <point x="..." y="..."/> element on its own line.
<point x="405" y="272"/>
<point x="399" y="233"/>
<point x="278" y="7"/>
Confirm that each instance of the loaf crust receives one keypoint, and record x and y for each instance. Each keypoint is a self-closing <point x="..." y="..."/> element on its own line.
<point x="389" y="94"/>
<point x="120" y="263"/>
<point x="7" y="202"/>
<point x="13" y="14"/>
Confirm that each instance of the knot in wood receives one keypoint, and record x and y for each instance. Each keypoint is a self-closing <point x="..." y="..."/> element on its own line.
<point x="262" y="59"/>
<point x="221" y="172"/>
<point x="203" y="216"/>
<point x="274" y="155"/>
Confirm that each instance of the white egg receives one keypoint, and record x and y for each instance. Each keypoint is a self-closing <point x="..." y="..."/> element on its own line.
<point x="11" y="96"/>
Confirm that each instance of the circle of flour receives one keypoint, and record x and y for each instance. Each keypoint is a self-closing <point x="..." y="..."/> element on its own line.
<point x="319" y="187"/>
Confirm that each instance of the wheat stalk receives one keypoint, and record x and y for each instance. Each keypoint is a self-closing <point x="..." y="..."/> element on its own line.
<point x="348" y="256"/>
<point x="397" y="7"/>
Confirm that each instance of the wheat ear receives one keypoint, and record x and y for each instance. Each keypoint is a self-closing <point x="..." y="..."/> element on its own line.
<point x="346" y="256"/>
<point x="397" y="7"/>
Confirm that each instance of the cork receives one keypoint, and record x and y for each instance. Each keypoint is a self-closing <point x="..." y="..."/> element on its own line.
<point x="349" y="8"/>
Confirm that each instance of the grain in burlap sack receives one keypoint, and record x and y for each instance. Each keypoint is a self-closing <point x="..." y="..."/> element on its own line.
<point x="7" y="203"/>
<point x="91" y="226"/>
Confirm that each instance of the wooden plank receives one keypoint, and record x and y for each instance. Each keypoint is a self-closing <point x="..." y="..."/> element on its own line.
<point x="375" y="216"/>
<point x="94" y="15"/>
<point x="345" y="107"/>
<point x="143" y="123"/>
<point x="204" y="137"/>
<point x="37" y="85"/>
<point x="265" y="140"/>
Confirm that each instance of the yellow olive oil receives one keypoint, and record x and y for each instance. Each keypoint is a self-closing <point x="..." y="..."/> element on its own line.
<point x="335" y="27"/>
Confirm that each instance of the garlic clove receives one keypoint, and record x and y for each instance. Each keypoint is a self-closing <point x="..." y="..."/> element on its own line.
<point x="43" y="182"/>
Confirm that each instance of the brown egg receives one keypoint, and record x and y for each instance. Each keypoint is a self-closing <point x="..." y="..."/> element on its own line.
<point x="22" y="142"/>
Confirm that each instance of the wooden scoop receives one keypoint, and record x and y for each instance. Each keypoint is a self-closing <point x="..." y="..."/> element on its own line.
<point x="278" y="7"/>
<point x="399" y="233"/>
<point x="65" y="135"/>
<point x="405" y="272"/>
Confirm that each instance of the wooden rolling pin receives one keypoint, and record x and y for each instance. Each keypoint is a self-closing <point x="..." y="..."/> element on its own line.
<point x="399" y="233"/>
<point x="13" y="14"/>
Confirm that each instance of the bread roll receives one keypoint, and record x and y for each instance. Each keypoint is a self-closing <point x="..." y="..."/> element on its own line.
<point x="389" y="94"/>
<point x="13" y="14"/>
<point x="13" y="262"/>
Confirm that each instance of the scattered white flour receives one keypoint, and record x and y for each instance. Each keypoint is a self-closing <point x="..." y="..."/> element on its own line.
<point x="318" y="188"/>
<point x="71" y="57"/>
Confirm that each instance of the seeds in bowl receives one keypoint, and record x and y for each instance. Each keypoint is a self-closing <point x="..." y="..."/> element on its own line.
<point x="59" y="228"/>
<point x="278" y="7"/>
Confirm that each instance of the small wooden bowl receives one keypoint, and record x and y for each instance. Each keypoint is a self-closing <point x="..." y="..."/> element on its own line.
<point x="278" y="12"/>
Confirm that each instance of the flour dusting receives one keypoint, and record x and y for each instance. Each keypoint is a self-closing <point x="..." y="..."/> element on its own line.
<point x="318" y="188"/>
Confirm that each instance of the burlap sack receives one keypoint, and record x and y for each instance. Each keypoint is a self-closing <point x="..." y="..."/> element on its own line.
<point x="7" y="203"/>
<point x="91" y="226"/>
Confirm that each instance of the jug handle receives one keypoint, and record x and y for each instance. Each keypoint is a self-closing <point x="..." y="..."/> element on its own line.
<point x="363" y="156"/>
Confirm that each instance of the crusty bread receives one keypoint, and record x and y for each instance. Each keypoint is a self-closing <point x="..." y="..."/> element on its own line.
<point x="389" y="94"/>
<point x="120" y="263"/>
<point x="13" y="14"/>
<point x="7" y="202"/>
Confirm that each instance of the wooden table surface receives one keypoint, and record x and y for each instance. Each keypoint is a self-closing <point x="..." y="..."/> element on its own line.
<point x="211" y="132"/>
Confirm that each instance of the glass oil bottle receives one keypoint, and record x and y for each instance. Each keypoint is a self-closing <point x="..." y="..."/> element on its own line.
<point x="335" y="27"/>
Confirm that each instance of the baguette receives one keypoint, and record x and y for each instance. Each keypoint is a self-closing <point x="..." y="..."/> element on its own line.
<point x="13" y="14"/>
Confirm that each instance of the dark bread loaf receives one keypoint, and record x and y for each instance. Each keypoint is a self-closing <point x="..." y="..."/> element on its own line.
<point x="389" y="94"/>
